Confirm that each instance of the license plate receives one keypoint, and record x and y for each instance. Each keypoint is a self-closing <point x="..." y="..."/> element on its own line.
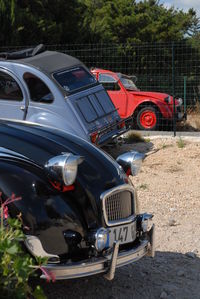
<point x="123" y="234"/>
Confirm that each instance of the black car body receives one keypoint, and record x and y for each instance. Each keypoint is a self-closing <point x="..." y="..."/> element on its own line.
<point x="90" y="226"/>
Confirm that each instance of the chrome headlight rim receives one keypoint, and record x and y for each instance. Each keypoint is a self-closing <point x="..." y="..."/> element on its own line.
<point x="131" y="160"/>
<point x="58" y="167"/>
<point x="179" y="102"/>
<point x="101" y="239"/>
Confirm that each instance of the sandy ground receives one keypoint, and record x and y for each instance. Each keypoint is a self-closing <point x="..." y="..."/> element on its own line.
<point x="169" y="187"/>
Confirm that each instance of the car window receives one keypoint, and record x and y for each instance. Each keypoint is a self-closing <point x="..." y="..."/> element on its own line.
<point x="74" y="78"/>
<point x="9" y="88"/>
<point x="128" y="81"/>
<point x="109" y="82"/>
<point x="39" y="92"/>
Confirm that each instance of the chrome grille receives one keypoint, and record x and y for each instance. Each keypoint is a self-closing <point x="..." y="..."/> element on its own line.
<point x="118" y="206"/>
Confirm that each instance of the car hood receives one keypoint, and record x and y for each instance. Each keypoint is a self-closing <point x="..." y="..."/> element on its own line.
<point x="97" y="173"/>
<point x="150" y="95"/>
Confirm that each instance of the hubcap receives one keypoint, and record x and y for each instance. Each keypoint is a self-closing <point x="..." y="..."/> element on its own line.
<point x="148" y="119"/>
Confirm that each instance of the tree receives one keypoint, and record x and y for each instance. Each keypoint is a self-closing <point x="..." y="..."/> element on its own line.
<point x="30" y="22"/>
<point x="124" y="21"/>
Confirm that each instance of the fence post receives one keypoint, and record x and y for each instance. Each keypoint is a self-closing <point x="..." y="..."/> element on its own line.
<point x="185" y="88"/>
<point x="173" y="91"/>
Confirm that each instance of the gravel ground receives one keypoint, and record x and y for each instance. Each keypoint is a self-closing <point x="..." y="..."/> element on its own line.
<point x="169" y="187"/>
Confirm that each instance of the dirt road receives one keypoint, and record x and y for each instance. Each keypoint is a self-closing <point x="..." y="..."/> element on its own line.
<point x="169" y="187"/>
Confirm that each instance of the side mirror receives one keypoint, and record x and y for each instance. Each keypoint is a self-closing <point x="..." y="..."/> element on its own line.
<point x="131" y="162"/>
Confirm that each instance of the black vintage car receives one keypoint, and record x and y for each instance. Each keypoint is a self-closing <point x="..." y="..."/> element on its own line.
<point x="78" y="206"/>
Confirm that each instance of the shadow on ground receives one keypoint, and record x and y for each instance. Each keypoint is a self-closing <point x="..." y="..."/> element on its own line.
<point x="169" y="275"/>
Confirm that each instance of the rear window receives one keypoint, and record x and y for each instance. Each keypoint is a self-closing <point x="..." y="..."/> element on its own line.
<point x="74" y="78"/>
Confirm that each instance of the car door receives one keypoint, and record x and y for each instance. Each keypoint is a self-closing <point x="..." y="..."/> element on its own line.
<point x="117" y="95"/>
<point x="12" y="96"/>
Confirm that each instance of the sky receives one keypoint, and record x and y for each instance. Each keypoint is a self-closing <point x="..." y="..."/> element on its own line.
<point x="183" y="4"/>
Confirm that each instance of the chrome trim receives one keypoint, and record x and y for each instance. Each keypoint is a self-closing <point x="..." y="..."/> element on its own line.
<point x="101" y="232"/>
<point x="104" y="195"/>
<point x="110" y="275"/>
<point x="96" y="265"/>
<point x="131" y="160"/>
<point x="56" y="166"/>
<point x="35" y="247"/>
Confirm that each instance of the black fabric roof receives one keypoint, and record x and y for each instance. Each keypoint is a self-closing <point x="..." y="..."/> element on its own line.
<point x="50" y="61"/>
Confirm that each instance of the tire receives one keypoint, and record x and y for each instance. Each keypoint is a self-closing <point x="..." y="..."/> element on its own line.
<point x="148" y="119"/>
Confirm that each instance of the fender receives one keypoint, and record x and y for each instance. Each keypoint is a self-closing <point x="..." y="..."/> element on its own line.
<point x="134" y="105"/>
<point x="45" y="212"/>
<point x="48" y="118"/>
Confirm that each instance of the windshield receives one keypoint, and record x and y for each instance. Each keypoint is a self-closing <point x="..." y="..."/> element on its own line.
<point x="74" y="78"/>
<point x="128" y="82"/>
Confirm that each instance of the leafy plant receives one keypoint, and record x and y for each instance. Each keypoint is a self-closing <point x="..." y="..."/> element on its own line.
<point x="132" y="137"/>
<point x="143" y="186"/>
<point x="180" y="143"/>
<point x="16" y="267"/>
<point x="164" y="145"/>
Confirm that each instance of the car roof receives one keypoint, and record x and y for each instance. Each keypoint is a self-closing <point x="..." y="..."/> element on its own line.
<point x="48" y="61"/>
<point x="98" y="70"/>
<point x="51" y="61"/>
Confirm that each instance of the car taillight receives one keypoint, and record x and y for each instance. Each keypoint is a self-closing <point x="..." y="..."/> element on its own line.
<point x="121" y="125"/>
<point x="94" y="137"/>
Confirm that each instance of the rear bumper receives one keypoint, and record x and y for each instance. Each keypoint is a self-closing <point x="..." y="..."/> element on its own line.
<point x="111" y="132"/>
<point x="104" y="264"/>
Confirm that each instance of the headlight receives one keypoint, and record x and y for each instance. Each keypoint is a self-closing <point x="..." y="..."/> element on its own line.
<point x="146" y="222"/>
<point x="101" y="237"/>
<point x="178" y="101"/>
<point x="131" y="161"/>
<point x="136" y="165"/>
<point x="64" y="168"/>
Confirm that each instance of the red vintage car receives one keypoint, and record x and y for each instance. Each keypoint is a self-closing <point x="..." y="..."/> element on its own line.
<point x="149" y="109"/>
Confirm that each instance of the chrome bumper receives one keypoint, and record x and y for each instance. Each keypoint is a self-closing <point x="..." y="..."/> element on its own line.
<point x="104" y="264"/>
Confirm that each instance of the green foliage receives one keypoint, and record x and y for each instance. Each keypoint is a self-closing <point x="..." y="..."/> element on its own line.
<point x="143" y="186"/>
<point x="124" y="21"/>
<point x="180" y="143"/>
<point x="38" y="21"/>
<point x="81" y="21"/>
<point x="132" y="137"/>
<point x="15" y="266"/>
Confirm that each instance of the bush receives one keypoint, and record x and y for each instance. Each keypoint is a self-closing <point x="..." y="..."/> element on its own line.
<point x="16" y="267"/>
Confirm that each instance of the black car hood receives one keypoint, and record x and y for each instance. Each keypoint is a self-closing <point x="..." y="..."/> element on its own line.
<point x="97" y="173"/>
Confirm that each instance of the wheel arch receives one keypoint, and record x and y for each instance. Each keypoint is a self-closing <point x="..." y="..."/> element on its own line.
<point x="147" y="103"/>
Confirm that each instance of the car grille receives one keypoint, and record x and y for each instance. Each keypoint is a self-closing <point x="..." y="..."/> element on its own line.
<point x="118" y="205"/>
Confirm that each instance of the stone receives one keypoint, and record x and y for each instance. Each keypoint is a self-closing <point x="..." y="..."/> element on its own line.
<point x="172" y="222"/>
<point x="173" y="210"/>
<point x="163" y="295"/>
<point x="180" y="273"/>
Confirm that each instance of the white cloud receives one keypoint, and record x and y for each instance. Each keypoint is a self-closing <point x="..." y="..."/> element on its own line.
<point x="183" y="4"/>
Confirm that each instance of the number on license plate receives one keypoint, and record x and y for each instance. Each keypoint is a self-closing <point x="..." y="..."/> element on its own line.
<point x="123" y="234"/>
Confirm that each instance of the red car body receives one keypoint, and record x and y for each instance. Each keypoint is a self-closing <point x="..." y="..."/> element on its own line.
<point x="148" y="109"/>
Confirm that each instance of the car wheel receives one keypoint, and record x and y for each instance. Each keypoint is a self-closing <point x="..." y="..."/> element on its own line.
<point x="148" y="118"/>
